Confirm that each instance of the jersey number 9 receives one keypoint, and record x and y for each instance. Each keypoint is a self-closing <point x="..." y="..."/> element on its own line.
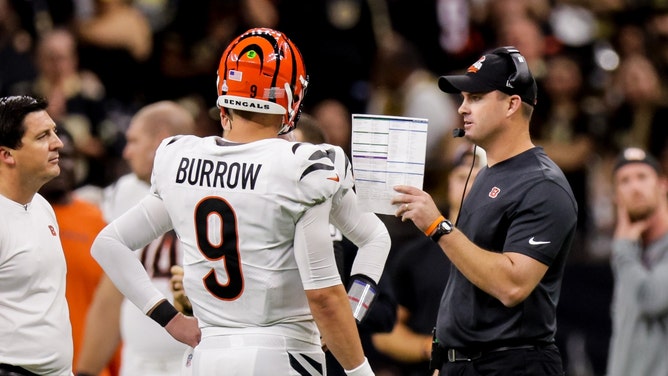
<point x="225" y="249"/>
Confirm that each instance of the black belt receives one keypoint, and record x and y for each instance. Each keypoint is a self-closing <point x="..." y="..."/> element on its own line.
<point x="10" y="370"/>
<point x="462" y="355"/>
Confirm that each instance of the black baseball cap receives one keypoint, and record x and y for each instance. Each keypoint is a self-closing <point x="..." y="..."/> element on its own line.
<point x="637" y="155"/>
<point x="492" y="72"/>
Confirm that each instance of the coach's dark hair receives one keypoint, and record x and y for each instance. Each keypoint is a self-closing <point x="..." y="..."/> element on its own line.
<point x="13" y="111"/>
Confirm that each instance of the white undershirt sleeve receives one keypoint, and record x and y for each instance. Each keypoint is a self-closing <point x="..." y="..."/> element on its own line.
<point x="114" y="249"/>
<point x="367" y="232"/>
<point x="314" y="252"/>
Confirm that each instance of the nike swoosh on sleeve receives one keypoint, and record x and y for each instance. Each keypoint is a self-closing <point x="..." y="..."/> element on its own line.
<point x="334" y="178"/>
<point x="537" y="242"/>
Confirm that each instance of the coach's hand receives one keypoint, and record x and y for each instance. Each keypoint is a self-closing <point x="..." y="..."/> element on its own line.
<point x="185" y="329"/>
<point x="416" y="205"/>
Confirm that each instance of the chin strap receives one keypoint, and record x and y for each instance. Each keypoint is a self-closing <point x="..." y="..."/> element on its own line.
<point x="361" y="294"/>
<point x="285" y="129"/>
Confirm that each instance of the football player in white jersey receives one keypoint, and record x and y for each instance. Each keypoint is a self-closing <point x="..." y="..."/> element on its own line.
<point x="148" y="350"/>
<point x="252" y="212"/>
<point x="364" y="229"/>
<point x="35" y="329"/>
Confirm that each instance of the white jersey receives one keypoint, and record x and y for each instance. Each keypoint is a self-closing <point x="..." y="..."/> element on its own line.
<point x="35" y="329"/>
<point x="145" y="342"/>
<point x="235" y="209"/>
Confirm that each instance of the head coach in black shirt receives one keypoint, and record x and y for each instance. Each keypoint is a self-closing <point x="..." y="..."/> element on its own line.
<point x="508" y="250"/>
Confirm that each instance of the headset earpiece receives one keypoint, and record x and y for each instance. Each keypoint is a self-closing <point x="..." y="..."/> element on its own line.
<point x="521" y="78"/>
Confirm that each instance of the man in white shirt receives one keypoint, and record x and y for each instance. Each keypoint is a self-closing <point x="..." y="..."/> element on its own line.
<point x="35" y="329"/>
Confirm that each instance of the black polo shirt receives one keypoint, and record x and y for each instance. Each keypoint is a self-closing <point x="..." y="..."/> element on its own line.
<point x="524" y="205"/>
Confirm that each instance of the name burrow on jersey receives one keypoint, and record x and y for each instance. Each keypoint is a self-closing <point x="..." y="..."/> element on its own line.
<point x="219" y="174"/>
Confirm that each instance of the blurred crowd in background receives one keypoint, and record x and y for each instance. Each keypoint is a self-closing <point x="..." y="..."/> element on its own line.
<point x="601" y="66"/>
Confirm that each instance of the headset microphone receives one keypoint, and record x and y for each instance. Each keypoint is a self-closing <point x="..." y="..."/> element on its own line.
<point x="458" y="132"/>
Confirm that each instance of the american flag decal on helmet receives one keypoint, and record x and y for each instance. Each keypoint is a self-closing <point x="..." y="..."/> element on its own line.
<point x="235" y="75"/>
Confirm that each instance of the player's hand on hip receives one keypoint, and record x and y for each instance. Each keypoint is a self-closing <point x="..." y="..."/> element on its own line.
<point x="181" y="301"/>
<point x="185" y="329"/>
<point x="416" y="205"/>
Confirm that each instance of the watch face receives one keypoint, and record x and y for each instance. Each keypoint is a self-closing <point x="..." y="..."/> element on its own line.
<point x="443" y="228"/>
<point x="447" y="226"/>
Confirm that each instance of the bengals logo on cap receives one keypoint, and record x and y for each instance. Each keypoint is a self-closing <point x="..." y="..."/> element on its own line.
<point x="475" y="67"/>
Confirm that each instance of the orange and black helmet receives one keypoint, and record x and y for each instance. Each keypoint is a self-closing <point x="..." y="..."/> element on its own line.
<point x="263" y="71"/>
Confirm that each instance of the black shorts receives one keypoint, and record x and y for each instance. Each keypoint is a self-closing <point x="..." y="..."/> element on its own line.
<point x="533" y="361"/>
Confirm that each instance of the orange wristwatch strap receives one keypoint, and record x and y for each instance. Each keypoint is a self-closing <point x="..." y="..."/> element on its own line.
<point x="433" y="225"/>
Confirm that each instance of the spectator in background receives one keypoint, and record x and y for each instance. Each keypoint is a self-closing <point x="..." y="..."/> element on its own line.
<point x="336" y="36"/>
<point x="640" y="264"/>
<point x="17" y="43"/>
<point x="630" y="37"/>
<point x="448" y="35"/>
<point x="639" y="108"/>
<point x="656" y="27"/>
<point x="80" y="222"/>
<point x="188" y="48"/>
<point x="117" y="32"/>
<point x="77" y="103"/>
<point x="147" y="348"/>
